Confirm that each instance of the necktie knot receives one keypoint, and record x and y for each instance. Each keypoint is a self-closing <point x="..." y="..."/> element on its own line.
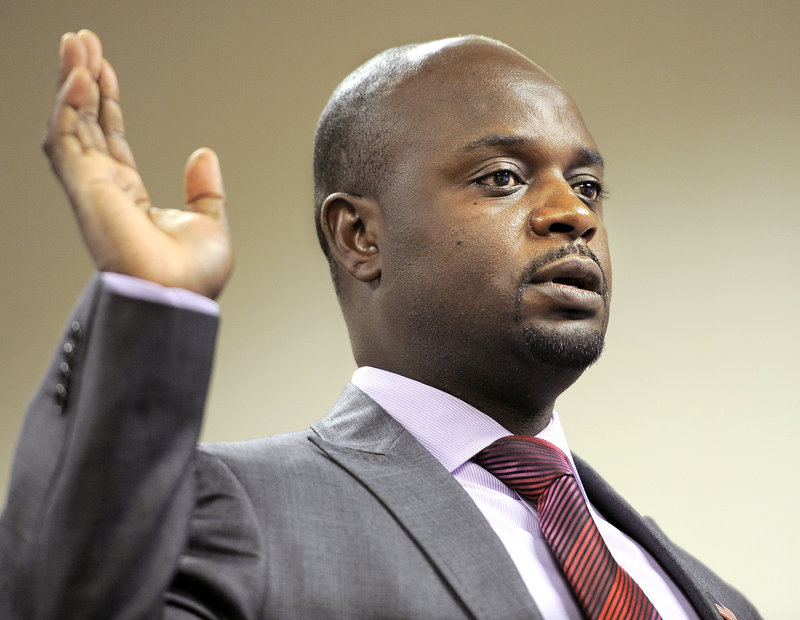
<point x="528" y="465"/>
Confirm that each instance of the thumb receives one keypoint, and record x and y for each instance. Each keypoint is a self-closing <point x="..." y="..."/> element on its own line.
<point x="202" y="182"/>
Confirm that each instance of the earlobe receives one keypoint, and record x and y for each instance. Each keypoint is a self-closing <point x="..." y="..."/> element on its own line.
<point x="352" y="226"/>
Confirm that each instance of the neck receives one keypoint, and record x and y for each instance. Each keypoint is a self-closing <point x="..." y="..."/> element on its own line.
<point x="523" y="406"/>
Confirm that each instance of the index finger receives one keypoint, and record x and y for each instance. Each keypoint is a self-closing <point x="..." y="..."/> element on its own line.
<point x="81" y="49"/>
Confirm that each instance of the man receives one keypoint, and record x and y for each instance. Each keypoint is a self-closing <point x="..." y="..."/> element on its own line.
<point x="459" y="202"/>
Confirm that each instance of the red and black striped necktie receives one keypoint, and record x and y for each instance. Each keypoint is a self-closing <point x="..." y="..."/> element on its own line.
<point x="539" y="471"/>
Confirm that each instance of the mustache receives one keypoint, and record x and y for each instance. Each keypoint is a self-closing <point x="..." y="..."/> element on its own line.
<point x="558" y="253"/>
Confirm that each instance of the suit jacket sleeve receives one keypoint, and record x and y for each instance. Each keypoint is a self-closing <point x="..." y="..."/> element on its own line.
<point x="102" y="486"/>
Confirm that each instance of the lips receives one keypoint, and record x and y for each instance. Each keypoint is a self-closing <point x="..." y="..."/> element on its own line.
<point x="573" y="272"/>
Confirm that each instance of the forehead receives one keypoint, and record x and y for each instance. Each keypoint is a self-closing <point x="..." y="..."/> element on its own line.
<point x="457" y="97"/>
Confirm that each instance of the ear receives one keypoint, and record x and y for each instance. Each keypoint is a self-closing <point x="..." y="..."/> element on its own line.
<point x="352" y="226"/>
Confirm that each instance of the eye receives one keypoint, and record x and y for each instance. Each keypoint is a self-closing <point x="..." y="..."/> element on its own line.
<point x="500" y="178"/>
<point x="590" y="190"/>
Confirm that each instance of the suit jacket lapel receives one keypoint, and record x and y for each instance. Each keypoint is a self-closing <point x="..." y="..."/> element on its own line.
<point x="425" y="499"/>
<point x="649" y="535"/>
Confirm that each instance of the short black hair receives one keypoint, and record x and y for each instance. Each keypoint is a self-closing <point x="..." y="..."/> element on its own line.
<point x="351" y="151"/>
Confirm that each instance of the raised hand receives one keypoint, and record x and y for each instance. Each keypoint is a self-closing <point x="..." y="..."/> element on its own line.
<point x="187" y="248"/>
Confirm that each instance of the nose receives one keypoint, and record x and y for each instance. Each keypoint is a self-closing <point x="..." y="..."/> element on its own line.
<point x="564" y="214"/>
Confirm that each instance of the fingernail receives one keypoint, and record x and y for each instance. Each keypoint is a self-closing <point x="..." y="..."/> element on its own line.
<point x="61" y="45"/>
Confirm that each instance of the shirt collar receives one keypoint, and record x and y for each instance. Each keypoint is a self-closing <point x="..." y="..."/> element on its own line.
<point x="450" y="429"/>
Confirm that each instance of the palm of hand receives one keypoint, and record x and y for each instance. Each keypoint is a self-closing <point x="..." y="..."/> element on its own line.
<point x="87" y="148"/>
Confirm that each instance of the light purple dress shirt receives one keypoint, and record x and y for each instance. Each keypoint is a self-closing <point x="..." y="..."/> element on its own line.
<point x="150" y="291"/>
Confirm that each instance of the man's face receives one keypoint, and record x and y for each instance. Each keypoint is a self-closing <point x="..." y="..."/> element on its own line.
<point x="495" y="262"/>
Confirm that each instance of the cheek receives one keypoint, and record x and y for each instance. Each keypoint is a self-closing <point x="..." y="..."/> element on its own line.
<point x="484" y="268"/>
<point x="494" y="232"/>
<point x="599" y="246"/>
<point x="464" y="249"/>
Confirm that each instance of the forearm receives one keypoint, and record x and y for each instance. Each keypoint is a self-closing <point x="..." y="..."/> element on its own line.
<point x="102" y="487"/>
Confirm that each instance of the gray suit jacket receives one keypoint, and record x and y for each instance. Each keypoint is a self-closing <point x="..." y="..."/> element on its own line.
<point x="114" y="513"/>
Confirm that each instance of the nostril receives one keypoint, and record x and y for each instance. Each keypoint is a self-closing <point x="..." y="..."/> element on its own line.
<point x="560" y="227"/>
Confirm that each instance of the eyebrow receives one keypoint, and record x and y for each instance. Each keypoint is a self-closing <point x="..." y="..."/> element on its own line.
<point x="585" y="156"/>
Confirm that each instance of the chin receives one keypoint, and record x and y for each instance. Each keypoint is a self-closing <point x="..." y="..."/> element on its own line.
<point x="571" y="350"/>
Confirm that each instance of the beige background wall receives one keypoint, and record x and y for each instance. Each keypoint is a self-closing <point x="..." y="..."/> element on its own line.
<point x="692" y="413"/>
